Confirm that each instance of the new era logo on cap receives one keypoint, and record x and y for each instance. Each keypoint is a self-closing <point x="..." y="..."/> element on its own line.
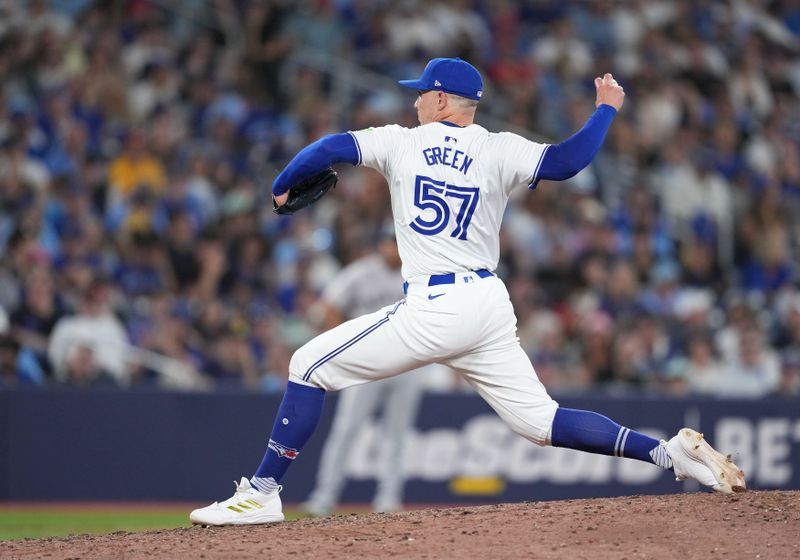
<point x="451" y="75"/>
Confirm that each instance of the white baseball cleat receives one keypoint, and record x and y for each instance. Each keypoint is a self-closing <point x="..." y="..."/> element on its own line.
<point x="694" y="459"/>
<point x="248" y="506"/>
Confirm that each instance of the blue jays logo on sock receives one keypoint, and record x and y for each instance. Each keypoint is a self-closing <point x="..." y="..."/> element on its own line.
<point x="282" y="450"/>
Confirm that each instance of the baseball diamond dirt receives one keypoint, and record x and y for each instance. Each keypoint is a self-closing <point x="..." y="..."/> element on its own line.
<point x="752" y="525"/>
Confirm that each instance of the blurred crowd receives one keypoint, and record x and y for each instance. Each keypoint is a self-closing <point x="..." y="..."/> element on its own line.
<point x="139" y="139"/>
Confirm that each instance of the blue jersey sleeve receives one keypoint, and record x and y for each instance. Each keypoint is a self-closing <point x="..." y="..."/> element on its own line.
<point x="562" y="161"/>
<point x="328" y="150"/>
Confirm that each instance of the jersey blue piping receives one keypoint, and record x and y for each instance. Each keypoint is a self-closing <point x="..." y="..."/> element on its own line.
<point x="352" y="341"/>
<point x="534" y="180"/>
<point x="358" y="147"/>
<point x="448" y="123"/>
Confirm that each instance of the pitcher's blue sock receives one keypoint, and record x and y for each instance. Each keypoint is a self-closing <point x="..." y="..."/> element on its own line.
<point x="592" y="432"/>
<point x="298" y="416"/>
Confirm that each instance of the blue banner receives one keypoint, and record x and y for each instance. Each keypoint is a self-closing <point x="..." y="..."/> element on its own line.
<point x="110" y="445"/>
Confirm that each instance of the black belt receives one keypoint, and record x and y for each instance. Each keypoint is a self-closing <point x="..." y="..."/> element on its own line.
<point x="448" y="278"/>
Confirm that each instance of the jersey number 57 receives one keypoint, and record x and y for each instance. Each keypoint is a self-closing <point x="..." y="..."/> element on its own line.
<point x="430" y="194"/>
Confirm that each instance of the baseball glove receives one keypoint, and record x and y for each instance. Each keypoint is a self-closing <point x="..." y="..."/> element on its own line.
<point x="307" y="192"/>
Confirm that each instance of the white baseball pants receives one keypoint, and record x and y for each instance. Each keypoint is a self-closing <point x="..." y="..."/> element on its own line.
<point x="468" y="325"/>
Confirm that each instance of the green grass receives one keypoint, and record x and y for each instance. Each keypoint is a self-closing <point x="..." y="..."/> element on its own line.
<point x="34" y="522"/>
<point x="29" y="523"/>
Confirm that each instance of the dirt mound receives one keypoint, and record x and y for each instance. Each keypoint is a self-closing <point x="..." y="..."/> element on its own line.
<point x="685" y="526"/>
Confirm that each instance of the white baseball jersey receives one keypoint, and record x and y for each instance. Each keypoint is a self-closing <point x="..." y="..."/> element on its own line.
<point x="449" y="188"/>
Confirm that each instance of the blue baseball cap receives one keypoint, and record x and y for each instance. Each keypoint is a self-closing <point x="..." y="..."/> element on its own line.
<point x="451" y="75"/>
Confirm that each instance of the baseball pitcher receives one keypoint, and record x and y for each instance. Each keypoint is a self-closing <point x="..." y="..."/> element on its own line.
<point x="449" y="180"/>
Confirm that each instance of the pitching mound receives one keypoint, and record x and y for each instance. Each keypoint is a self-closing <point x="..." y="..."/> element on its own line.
<point x="685" y="526"/>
